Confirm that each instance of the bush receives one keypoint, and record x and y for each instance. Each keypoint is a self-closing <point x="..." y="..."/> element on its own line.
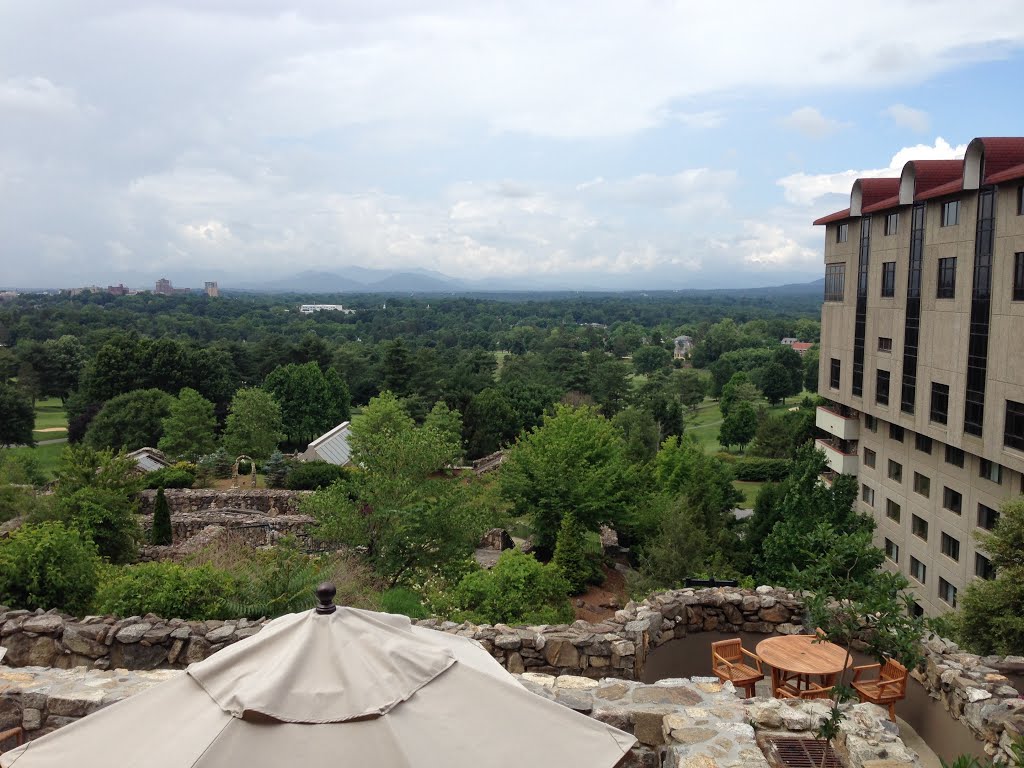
<point x="162" y="533"/>
<point x="762" y="470"/>
<point x="106" y="517"/>
<point x="403" y="601"/>
<point x="48" y="566"/>
<point x="170" y="477"/>
<point x="276" y="469"/>
<point x="167" y="589"/>
<point x="218" y="464"/>
<point x="571" y="556"/>
<point x="313" y="475"/>
<point x="517" y="590"/>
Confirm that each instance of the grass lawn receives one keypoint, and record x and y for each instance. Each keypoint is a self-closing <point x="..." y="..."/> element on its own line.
<point x="48" y="456"/>
<point x="50" y="415"/>
<point x="705" y="423"/>
<point x="749" y="491"/>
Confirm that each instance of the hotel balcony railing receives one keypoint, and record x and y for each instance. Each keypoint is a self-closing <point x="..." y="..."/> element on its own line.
<point x="841" y="455"/>
<point x="838" y="421"/>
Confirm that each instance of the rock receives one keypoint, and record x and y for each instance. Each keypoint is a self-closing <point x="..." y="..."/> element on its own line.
<point x="647" y="726"/>
<point x="776" y="614"/>
<point x="508" y="642"/>
<point x="47" y="624"/>
<point x="133" y="633"/>
<point x="137" y="656"/>
<point x="85" y="639"/>
<point x="560" y="652"/>
<point x="28" y="651"/>
<point x="514" y="663"/>
<point x="220" y="634"/>
<point x="31" y="719"/>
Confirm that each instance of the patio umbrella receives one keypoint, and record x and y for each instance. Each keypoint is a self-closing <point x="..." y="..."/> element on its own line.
<point x="334" y="687"/>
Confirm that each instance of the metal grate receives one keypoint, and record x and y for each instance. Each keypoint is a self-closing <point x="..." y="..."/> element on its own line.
<point x="804" y="753"/>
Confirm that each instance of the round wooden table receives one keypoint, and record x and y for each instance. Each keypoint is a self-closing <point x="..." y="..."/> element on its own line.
<point x="802" y="655"/>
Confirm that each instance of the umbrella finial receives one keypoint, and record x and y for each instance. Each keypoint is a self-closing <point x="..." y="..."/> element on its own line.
<point x="325" y="598"/>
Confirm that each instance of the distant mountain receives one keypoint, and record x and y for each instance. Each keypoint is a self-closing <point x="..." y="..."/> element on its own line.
<point x="411" y="282"/>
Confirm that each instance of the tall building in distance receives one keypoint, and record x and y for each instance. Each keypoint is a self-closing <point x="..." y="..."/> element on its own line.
<point x="211" y="289"/>
<point x="163" y="287"/>
<point x="923" y="311"/>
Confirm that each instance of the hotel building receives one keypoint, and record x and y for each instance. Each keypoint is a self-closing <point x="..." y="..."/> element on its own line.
<point x="922" y="358"/>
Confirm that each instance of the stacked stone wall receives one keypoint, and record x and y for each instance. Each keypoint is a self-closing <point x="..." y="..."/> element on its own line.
<point x="268" y="501"/>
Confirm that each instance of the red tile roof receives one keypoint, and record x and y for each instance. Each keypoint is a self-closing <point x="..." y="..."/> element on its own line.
<point x="929" y="174"/>
<point x="1001" y="154"/>
<point x="1011" y="173"/>
<point x="802" y="346"/>
<point x="881" y="205"/>
<point x="875" y="190"/>
<point x="832" y="217"/>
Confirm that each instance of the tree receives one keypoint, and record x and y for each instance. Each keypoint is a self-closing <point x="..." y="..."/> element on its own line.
<point x="188" y="428"/>
<point x="446" y="422"/>
<point x="739" y="389"/>
<point x="570" y="554"/>
<point x="17" y="417"/>
<point x="574" y="462"/>
<point x="64" y="359"/>
<point x="776" y="382"/>
<point x="48" y="566"/>
<point x="311" y="401"/>
<point x="490" y="423"/>
<point x="811" y="369"/>
<point x="162" y="534"/>
<point x="791" y="360"/>
<point x="739" y="426"/>
<point x="105" y="517"/>
<point x="84" y="467"/>
<point x="640" y="432"/>
<point x="649" y="359"/>
<point x="692" y="388"/>
<point x="253" y="424"/>
<point x="130" y="421"/>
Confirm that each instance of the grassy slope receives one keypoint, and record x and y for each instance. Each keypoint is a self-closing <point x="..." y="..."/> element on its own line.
<point x="49" y="414"/>
<point x="48" y="456"/>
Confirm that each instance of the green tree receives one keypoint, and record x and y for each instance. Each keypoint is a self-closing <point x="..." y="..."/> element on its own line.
<point x="276" y="470"/>
<point x="574" y="462"/>
<point x="739" y="427"/>
<point x="739" y="389"/>
<point x="811" y="369"/>
<point x="640" y="432"/>
<point x="130" y="421"/>
<point x="161" y="534"/>
<point x="253" y="424"/>
<point x="17" y="417"/>
<point x="777" y="383"/>
<point x="105" y="517"/>
<point x="793" y="363"/>
<point x="446" y="422"/>
<point x="48" y="566"/>
<point x="649" y="359"/>
<point x="570" y="554"/>
<point x="188" y="428"/>
<point x="64" y="359"/>
<point x="692" y="388"/>
<point x="490" y="423"/>
<point x="311" y="402"/>
<point x="84" y="467"/>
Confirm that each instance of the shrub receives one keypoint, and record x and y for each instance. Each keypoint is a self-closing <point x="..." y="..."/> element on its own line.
<point x="762" y="470"/>
<point x="276" y="470"/>
<point x="104" y="516"/>
<point x="517" y="590"/>
<point x="170" y="477"/>
<point x="167" y="589"/>
<point x="313" y="475"/>
<point x="162" y="533"/>
<point x="570" y="554"/>
<point x="218" y="464"/>
<point x="48" y="566"/>
<point x="403" y="601"/>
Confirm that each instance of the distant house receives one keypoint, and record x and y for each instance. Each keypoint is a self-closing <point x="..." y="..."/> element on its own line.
<point x="149" y="459"/>
<point x="684" y="346"/>
<point x="308" y="309"/>
<point x="802" y="346"/>
<point x="789" y="341"/>
<point x="331" y="447"/>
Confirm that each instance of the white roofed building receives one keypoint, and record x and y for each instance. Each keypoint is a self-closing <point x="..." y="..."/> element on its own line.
<point x="332" y="447"/>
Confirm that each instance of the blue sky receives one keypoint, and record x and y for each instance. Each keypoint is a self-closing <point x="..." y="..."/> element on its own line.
<point x="636" y="145"/>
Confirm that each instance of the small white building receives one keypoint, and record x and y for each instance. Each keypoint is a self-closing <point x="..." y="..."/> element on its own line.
<point x="308" y="309"/>
<point x="149" y="459"/>
<point x="331" y="447"/>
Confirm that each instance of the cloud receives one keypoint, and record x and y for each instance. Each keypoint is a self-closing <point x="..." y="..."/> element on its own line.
<point x="811" y="123"/>
<point x="806" y="189"/>
<point x="907" y="117"/>
<point x="35" y="94"/>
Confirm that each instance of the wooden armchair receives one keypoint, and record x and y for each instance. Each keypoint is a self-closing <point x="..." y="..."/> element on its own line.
<point x="888" y="687"/>
<point x="17" y="733"/>
<point x="813" y="691"/>
<point x="728" y="663"/>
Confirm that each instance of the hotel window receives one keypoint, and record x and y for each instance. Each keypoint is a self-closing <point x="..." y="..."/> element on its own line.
<point x="892" y="222"/>
<point x="987" y="517"/>
<point x="946" y="288"/>
<point x="1018" y="276"/>
<point x="884" y="344"/>
<point x="940" y="404"/>
<point x="991" y="471"/>
<point x="919" y="527"/>
<point x="952" y="500"/>
<point x="892" y="510"/>
<point x="1020" y="200"/>
<point x="1013" y="430"/>
<point x="954" y="456"/>
<point x="869" y="458"/>
<point x="918" y="570"/>
<point x="892" y="551"/>
<point x="867" y="495"/>
<point x="882" y="387"/>
<point x="947" y="592"/>
<point x="835" y="281"/>
<point x="833" y="374"/>
<point x="896" y="433"/>
<point x="895" y="471"/>
<point x="842" y="233"/>
<point x="922" y="485"/>
<point x="923" y="443"/>
<point x="888" y="279"/>
<point x="916" y="610"/>
<point x="949" y="546"/>
<point x="870" y="423"/>
<point x="951" y="213"/>
<point x="983" y="568"/>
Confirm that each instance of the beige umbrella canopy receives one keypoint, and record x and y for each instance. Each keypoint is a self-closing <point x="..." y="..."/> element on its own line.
<point x="334" y="687"/>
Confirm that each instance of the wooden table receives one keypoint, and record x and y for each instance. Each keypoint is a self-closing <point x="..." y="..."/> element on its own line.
<point x="802" y="655"/>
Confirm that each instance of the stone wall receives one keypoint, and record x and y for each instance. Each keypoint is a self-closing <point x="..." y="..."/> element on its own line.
<point x="676" y="722"/>
<point x="188" y="500"/>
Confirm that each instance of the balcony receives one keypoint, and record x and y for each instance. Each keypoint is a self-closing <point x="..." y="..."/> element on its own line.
<point x="838" y="421"/>
<point x="840" y="454"/>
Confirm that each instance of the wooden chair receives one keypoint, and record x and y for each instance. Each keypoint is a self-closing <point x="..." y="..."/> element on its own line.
<point x="886" y="689"/>
<point x="813" y="691"/>
<point x="728" y="663"/>
<point x="17" y="733"/>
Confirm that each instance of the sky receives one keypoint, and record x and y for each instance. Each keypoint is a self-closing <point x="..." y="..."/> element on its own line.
<point x="637" y="145"/>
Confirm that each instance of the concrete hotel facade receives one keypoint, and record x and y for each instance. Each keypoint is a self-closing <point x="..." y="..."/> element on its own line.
<point x="922" y="358"/>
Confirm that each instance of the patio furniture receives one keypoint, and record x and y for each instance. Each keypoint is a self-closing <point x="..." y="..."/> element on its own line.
<point x="794" y="659"/>
<point x="727" y="663"/>
<point x="813" y="691"/>
<point x="17" y="733"/>
<point x="888" y="687"/>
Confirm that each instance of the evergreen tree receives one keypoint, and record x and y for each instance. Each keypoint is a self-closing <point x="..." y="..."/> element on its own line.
<point x="276" y="470"/>
<point x="161" y="520"/>
<point x="17" y="416"/>
<point x="570" y="555"/>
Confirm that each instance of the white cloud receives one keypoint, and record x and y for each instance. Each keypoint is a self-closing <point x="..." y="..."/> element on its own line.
<point x="806" y="189"/>
<point x="811" y="123"/>
<point x="915" y="119"/>
<point x="35" y="94"/>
